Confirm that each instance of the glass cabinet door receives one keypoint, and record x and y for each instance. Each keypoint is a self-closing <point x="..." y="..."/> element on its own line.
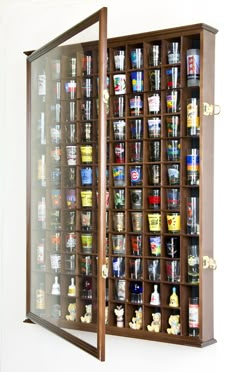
<point x="66" y="185"/>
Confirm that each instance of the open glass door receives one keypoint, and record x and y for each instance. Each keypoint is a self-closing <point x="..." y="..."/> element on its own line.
<point x="66" y="185"/>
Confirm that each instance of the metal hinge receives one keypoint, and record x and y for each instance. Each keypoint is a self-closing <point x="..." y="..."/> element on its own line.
<point x="209" y="109"/>
<point x="208" y="263"/>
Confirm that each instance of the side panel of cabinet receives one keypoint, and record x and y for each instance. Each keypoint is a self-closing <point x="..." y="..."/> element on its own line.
<point x="207" y="183"/>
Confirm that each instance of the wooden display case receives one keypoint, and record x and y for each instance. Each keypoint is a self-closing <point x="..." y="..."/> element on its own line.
<point x="120" y="185"/>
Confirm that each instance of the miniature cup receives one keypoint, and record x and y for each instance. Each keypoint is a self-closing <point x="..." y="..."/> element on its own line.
<point x="119" y="83"/>
<point x="71" y="153"/>
<point x="136" y="129"/>
<point x="119" y="60"/>
<point x="172" y="199"/>
<point x="118" y="244"/>
<point x="136" y="245"/>
<point x="155" y="79"/>
<point x="136" y="198"/>
<point x="154" y="127"/>
<point x="173" y="223"/>
<point x="155" y="245"/>
<point x="137" y="81"/>
<point x="118" y="175"/>
<point x="173" y="174"/>
<point x="135" y="266"/>
<point x="154" y="222"/>
<point x="153" y="269"/>
<point x="119" y="130"/>
<point x="119" y="198"/>
<point x="87" y="243"/>
<point x="173" y="271"/>
<point x="136" y="56"/>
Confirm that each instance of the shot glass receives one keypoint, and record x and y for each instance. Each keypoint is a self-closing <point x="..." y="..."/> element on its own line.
<point x="118" y="244"/>
<point x="136" y="126"/>
<point x="135" y="266"/>
<point x="86" y="132"/>
<point x="136" y="198"/>
<point x="154" y="104"/>
<point x="154" y="270"/>
<point x="173" y="150"/>
<point x="172" y="196"/>
<point x="71" y="198"/>
<point x="71" y="133"/>
<point x="172" y="78"/>
<point x="87" y="88"/>
<point x="119" y="152"/>
<point x="71" y="242"/>
<point x="172" y="101"/>
<point x="87" y="243"/>
<point x="119" y="198"/>
<point x="119" y="81"/>
<point x="136" y="152"/>
<point x="154" y="127"/>
<point x="71" y="154"/>
<point x="154" y="152"/>
<point x="154" y="222"/>
<point x="155" y="55"/>
<point x="154" y="174"/>
<point x="173" y="52"/>
<point x="172" y="126"/>
<point x="173" y="223"/>
<point x="86" y="220"/>
<point x="136" y="175"/>
<point x="136" y="81"/>
<point x="120" y="290"/>
<point x="86" y="198"/>
<point x="137" y="221"/>
<point x="172" y="247"/>
<point x="118" y="267"/>
<point x="119" y="130"/>
<point x="118" y="175"/>
<point x="86" y="175"/>
<point x="155" y="79"/>
<point x="136" y="57"/>
<point x="119" y="221"/>
<point x="119" y="60"/>
<point x="56" y="198"/>
<point x="173" y="172"/>
<point x="136" y="245"/>
<point x="155" y="245"/>
<point x="192" y="215"/>
<point x="86" y="152"/>
<point x="136" y="105"/>
<point x="173" y="271"/>
<point x="119" y="106"/>
<point x="154" y="199"/>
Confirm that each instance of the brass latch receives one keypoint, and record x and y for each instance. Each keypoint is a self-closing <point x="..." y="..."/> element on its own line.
<point x="209" y="109"/>
<point x="105" y="271"/>
<point x="208" y="263"/>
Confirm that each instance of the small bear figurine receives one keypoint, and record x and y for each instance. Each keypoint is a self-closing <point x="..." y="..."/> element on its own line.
<point x="137" y="320"/>
<point x="87" y="318"/>
<point x="174" y="324"/>
<point x="72" y="312"/>
<point x="155" y="325"/>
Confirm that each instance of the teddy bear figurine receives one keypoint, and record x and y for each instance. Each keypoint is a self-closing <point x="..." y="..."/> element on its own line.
<point x="174" y="325"/>
<point x="155" y="325"/>
<point x="87" y="318"/>
<point x="136" y="320"/>
<point x="72" y="312"/>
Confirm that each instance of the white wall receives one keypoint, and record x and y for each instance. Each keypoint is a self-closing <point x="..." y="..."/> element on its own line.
<point x="27" y="25"/>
